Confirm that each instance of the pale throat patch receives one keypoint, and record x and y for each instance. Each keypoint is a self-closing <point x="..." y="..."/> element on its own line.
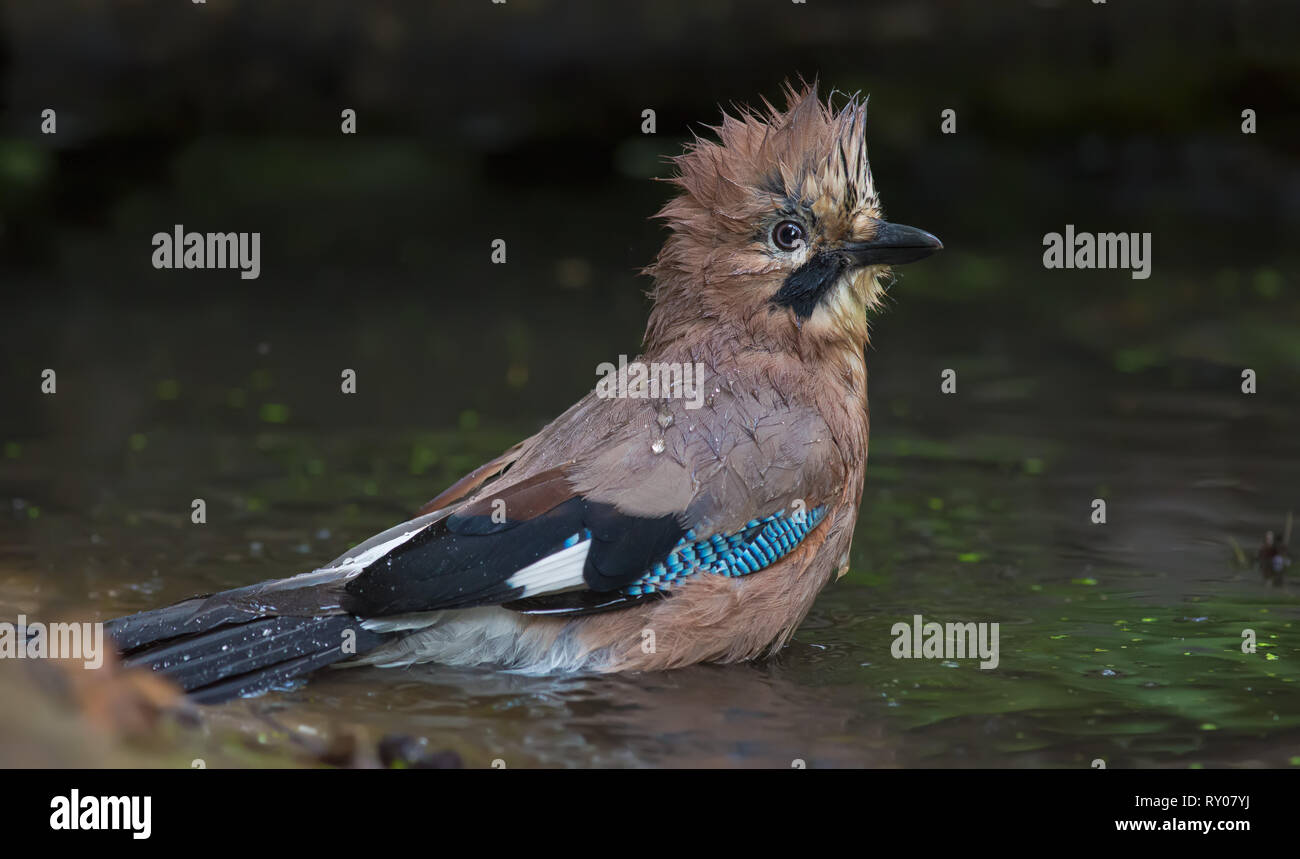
<point x="844" y="309"/>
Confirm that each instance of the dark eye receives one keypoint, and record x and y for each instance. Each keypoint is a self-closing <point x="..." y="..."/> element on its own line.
<point x="788" y="235"/>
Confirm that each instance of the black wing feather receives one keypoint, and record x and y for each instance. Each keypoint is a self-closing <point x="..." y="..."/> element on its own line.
<point x="463" y="561"/>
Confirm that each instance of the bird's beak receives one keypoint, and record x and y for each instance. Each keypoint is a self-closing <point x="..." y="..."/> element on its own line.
<point x="893" y="244"/>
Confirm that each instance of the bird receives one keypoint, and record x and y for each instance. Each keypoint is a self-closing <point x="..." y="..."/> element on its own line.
<point x="641" y="530"/>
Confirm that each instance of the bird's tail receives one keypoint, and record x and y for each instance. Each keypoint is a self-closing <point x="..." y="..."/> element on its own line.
<point x="228" y="645"/>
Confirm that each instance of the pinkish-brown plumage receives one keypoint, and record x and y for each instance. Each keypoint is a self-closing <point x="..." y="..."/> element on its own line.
<point x="787" y="415"/>
<point x="775" y="249"/>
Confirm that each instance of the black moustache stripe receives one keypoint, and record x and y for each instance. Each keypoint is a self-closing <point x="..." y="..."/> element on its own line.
<point x="808" y="284"/>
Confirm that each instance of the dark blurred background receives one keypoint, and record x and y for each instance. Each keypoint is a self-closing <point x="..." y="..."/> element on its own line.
<point x="522" y="121"/>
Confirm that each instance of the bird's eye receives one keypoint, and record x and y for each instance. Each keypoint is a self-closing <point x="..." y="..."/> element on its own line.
<point x="788" y="235"/>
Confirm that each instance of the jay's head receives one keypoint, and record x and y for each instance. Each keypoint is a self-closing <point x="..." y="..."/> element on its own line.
<point x="778" y="231"/>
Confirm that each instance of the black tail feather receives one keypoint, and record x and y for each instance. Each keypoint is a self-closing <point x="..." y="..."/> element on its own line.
<point x="263" y="679"/>
<point x="220" y="655"/>
<point x="136" y="630"/>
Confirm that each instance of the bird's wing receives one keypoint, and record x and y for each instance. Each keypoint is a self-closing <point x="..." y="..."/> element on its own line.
<point x="535" y="536"/>
<point x="467" y="485"/>
<point x="629" y="503"/>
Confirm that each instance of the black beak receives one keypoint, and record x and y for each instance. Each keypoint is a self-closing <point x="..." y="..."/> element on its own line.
<point x="894" y="244"/>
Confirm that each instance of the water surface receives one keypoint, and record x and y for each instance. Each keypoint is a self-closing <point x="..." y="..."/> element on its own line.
<point x="1119" y="641"/>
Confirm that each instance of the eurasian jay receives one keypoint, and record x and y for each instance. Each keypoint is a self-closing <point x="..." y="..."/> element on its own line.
<point x="633" y="533"/>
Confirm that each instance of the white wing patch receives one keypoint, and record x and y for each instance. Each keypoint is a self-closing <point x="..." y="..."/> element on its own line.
<point x="490" y="635"/>
<point x="554" y="572"/>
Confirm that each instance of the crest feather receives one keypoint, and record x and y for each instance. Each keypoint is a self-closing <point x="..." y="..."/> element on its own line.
<point x="808" y="151"/>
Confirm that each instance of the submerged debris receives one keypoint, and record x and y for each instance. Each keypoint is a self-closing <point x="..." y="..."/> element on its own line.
<point x="1273" y="558"/>
<point x="124" y="703"/>
<point x="399" y="751"/>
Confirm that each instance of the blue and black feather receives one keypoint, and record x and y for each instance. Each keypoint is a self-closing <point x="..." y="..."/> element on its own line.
<point x="761" y="543"/>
